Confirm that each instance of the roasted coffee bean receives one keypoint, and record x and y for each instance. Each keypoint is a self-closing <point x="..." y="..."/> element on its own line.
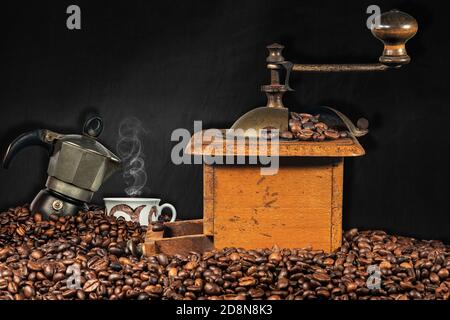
<point x="282" y="283"/>
<point x="4" y="253"/>
<point x="275" y="257"/>
<point x="91" y="285"/>
<point x="295" y="115"/>
<point x="191" y="265"/>
<point x="212" y="289"/>
<point x="350" y="234"/>
<point x="321" y="277"/>
<point x="117" y="251"/>
<point x="309" y="125"/>
<point x="351" y="286"/>
<point x="69" y="293"/>
<point x="247" y="281"/>
<point x="98" y="264"/>
<point x="154" y="289"/>
<point x="295" y="125"/>
<point x="235" y="256"/>
<point x="58" y="276"/>
<point x="20" y="231"/>
<point x="305" y="134"/>
<point x="28" y="292"/>
<point x="34" y="266"/>
<point x="37" y="217"/>
<point x="12" y="287"/>
<point x="162" y="259"/>
<point x="101" y="290"/>
<point x="80" y="294"/>
<point x="143" y="296"/>
<point x="318" y="136"/>
<point x="305" y="116"/>
<point x="36" y="254"/>
<point x="323" y="293"/>
<point x="434" y="278"/>
<point x="286" y="135"/>
<point x="256" y="292"/>
<point x="48" y="270"/>
<point x="321" y="126"/>
<point x="443" y="273"/>
<point x="332" y="134"/>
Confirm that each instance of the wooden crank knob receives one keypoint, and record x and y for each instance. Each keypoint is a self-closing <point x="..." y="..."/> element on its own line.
<point x="394" y="28"/>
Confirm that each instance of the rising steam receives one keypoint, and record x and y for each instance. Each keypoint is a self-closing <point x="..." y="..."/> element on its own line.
<point x="129" y="148"/>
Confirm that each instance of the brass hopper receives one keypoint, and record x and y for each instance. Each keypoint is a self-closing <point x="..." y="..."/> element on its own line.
<point x="394" y="30"/>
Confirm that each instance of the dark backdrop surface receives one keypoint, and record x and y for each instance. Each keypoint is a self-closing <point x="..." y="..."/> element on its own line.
<point x="170" y="63"/>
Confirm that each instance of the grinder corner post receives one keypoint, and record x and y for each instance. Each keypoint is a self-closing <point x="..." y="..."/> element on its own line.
<point x="78" y="166"/>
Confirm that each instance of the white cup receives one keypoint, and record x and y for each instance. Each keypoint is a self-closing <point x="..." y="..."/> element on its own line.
<point x="142" y="210"/>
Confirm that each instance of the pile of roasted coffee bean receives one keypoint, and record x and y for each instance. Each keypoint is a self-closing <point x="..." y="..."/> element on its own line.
<point x="38" y="259"/>
<point x="305" y="126"/>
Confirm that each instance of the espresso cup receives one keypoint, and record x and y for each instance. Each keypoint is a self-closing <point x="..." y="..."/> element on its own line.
<point x="141" y="210"/>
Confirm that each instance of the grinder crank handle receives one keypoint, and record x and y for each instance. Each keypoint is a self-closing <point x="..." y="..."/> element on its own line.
<point x="40" y="137"/>
<point x="393" y="28"/>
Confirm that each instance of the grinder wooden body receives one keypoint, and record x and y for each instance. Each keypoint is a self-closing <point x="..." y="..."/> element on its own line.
<point x="300" y="206"/>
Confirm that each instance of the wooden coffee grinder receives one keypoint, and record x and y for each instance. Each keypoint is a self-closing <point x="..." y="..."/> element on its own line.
<point x="300" y="205"/>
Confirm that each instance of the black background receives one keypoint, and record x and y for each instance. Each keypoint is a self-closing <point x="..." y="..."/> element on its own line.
<point x="170" y="63"/>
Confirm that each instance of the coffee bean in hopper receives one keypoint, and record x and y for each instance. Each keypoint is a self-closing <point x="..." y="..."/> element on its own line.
<point x="309" y="125"/>
<point x="295" y="125"/>
<point x="286" y="135"/>
<point x="332" y="134"/>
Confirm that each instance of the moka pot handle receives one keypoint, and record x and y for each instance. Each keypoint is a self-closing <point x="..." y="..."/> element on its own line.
<point x="40" y="137"/>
